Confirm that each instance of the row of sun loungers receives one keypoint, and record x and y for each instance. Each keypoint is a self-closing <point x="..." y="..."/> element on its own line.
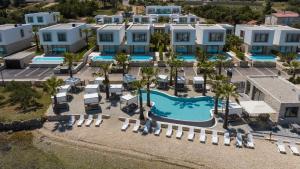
<point x="292" y="146"/>
<point x="82" y="121"/>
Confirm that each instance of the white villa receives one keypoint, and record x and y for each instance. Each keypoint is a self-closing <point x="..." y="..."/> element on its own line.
<point x="138" y="39"/>
<point x="14" y="38"/>
<point x="163" y="10"/>
<point x="61" y="38"/>
<point x="145" y="19"/>
<point x="183" y="38"/>
<point x="229" y="28"/>
<point x="110" y="38"/>
<point x="107" y="19"/>
<point x="211" y="38"/>
<point x="42" y="19"/>
<point x="258" y="39"/>
<point x="183" y="19"/>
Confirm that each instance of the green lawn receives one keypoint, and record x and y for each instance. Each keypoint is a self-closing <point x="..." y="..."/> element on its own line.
<point x="10" y="112"/>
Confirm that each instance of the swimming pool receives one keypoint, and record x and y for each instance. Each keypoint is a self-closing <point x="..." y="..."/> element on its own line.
<point x="103" y="58"/>
<point x="140" y="58"/>
<point x="196" y="109"/>
<point x="267" y="58"/>
<point x="47" y="60"/>
<point x="214" y="58"/>
<point x="187" y="58"/>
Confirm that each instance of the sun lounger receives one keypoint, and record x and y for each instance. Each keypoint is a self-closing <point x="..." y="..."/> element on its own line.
<point x="169" y="130"/>
<point x="179" y="132"/>
<point x="98" y="121"/>
<point x="281" y="147"/>
<point x="202" y="136"/>
<point x="89" y="120"/>
<point x="80" y="121"/>
<point x="71" y="121"/>
<point x="191" y="134"/>
<point x="226" y="139"/>
<point x="136" y="126"/>
<point x="125" y="124"/>
<point x="157" y="129"/>
<point x="250" y="142"/>
<point x="294" y="149"/>
<point x="214" y="137"/>
<point x="239" y="140"/>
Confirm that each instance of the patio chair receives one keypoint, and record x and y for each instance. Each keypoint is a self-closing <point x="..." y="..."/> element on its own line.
<point x="71" y="121"/>
<point x="294" y="149"/>
<point x="125" y="124"/>
<point x="169" y="130"/>
<point x="89" y="120"/>
<point x="80" y="121"/>
<point x="239" y="140"/>
<point x="98" y="121"/>
<point x="226" y="138"/>
<point x="191" y="134"/>
<point x="281" y="147"/>
<point x="214" y="137"/>
<point x="179" y="132"/>
<point x="147" y="127"/>
<point x="157" y="129"/>
<point x="202" y="137"/>
<point x="136" y="126"/>
<point x="250" y="142"/>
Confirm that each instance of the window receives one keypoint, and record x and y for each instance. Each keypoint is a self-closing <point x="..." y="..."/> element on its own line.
<point x="116" y="20"/>
<point x="107" y="20"/>
<point x="40" y="19"/>
<point x="109" y="49"/>
<point x="30" y="19"/>
<point x="22" y="33"/>
<point x="0" y="37"/>
<point x="192" y="20"/>
<point x="242" y="34"/>
<point x="145" y="20"/>
<point x="182" y="37"/>
<point x="291" y="112"/>
<point x="106" y="37"/>
<point x="139" y="49"/>
<point x="80" y="33"/>
<point x="183" y="20"/>
<point x="61" y="37"/>
<point x="47" y="37"/>
<point x="216" y="36"/>
<point x="261" y="37"/>
<point x="139" y="37"/>
<point x="292" y="37"/>
<point x="136" y="20"/>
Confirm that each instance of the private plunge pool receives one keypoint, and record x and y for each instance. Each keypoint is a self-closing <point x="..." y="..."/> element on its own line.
<point x="196" y="111"/>
<point x="47" y="60"/>
<point x="140" y="58"/>
<point x="107" y="58"/>
<point x="187" y="58"/>
<point x="263" y="58"/>
<point x="214" y="58"/>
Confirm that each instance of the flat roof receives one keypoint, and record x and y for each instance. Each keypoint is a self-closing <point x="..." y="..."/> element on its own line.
<point x="281" y="89"/>
<point x="41" y="13"/>
<point x="63" y="26"/>
<point x="9" y="26"/>
<point x="281" y="27"/>
<point x="257" y="27"/>
<point x="19" y="55"/>
<point x="284" y="14"/>
<point x="139" y="27"/>
<point x="111" y="27"/>
<point x="211" y="26"/>
<point x="182" y="27"/>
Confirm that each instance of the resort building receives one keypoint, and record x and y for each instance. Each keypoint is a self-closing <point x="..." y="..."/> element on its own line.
<point x="183" y="19"/>
<point x="277" y="92"/>
<point x="258" y="40"/>
<point x="61" y="38"/>
<point x="107" y="19"/>
<point x="42" y="19"/>
<point x="160" y="28"/>
<point x="211" y="38"/>
<point x="282" y="18"/>
<point x="229" y="28"/>
<point x="145" y="19"/>
<point x="14" y="38"/>
<point x="183" y="38"/>
<point x="163" y="10"/>
<point x="138" y="38"/>
<point x="110" y="38"/>
<point x="286" y="39"/>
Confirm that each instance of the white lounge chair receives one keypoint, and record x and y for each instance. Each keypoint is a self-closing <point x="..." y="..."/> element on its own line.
<point x="226" y="139"/>
<point x="239" y="140"/>
<point x="191" y="134"/>
<point x="80" y="121"/>
<point x="281" y="147"/>
<point x="98" y="121"/>
<point x="214" y="138"/>
<point x="169" y="130"/>
<point x="136" y="126"/>
<point x="294" y="149"/>
<point x="179" y="132"/>
<point x="71" y="121"/>
<point x="250" y="142"/>
<point x="157" y="129"/>
<point x="125" y="124"/>
<point x="202" y="137"/>
<point x="89" y="120"/>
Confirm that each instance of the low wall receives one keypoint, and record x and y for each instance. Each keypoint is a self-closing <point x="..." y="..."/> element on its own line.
<point x="263" y="64"/>
<point x="141" y="64"/>
<point x="22" y="125"/>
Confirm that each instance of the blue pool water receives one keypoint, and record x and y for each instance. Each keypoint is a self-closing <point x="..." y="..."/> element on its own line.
<point x="141" y="58"/>
<point x="178" y="108"/>
<point x="47" y="59"/>
<point x="103" y="58"/>
<point x="213" y="58"/>
<point x="270" y="58"/>
<point x="187" y="58"/>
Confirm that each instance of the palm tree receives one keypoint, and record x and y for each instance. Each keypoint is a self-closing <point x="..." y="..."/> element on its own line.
<point x="220" y="60"/>
<point x="200" y="54"/>
<point x="228" y="90"/>
<point x="148" y="74"/>
<point x="36" y="38"/>
<point x="290" y="57"/>
<point x="50" y="86"/>
<point x="176" y="64"/>
<point x="86" y="32"/>
<point x="216" y="81"/>
<point x="105" y="68"/>
<point x="122" y="59"/>
<point x="138" y="85"/>
<point x="293" y="66"/>
<point x="171" y="60"/>
<point x="69" y="59"/>
<point x="207" y="68"/>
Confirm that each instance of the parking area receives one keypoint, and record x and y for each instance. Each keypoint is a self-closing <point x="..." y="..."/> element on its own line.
<point x="27" y="73"/>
